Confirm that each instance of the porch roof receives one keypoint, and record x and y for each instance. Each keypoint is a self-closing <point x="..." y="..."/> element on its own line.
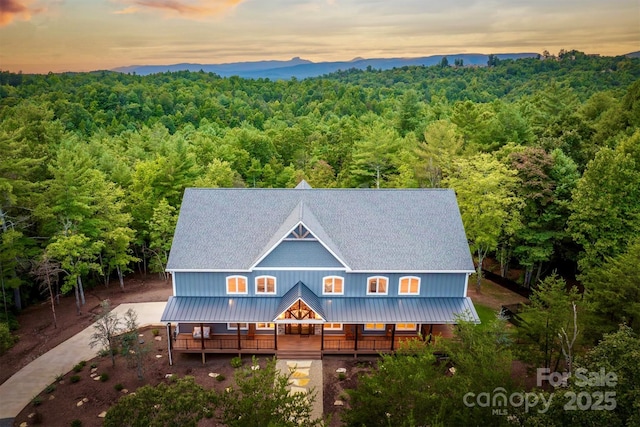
<point x="334" y="310"/>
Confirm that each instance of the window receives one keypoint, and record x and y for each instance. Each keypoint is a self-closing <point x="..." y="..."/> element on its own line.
<point x="332" y="285"/>
<point x="234" y="326"/>
<point x="406" y="327"/>
<point x="265" y="325"/>
<point x="265" y="285"/>
<point x="409" y="286"/>
<point x="377" y="285"/>
<point x="333" y="326"/>
<point x="236" y="285"/>
<point x="374" y="327"/>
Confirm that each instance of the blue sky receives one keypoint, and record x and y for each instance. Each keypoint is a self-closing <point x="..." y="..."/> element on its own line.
<point x="82" y="35"/>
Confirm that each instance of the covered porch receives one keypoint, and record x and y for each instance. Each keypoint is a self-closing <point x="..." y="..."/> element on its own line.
<point x="303" y="345"/>
<point x="301" y="324"/>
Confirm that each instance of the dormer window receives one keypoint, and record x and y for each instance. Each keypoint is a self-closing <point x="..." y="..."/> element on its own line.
<point x="377" y="285"/>
<point x="409" y="285"/>
<point x="332" y="285"/>
<point x="265" y="285"/>
<point x="236" y="285"/>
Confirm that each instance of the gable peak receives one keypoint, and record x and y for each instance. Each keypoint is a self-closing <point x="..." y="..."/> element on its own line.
<point x="303" y="185"/>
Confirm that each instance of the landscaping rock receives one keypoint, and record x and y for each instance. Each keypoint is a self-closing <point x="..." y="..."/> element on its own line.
<point x="31" y="415"/>
<point x="255" y="367"/>
<point x="85" y="400"/>
<point x="158" y="338"/>
<point x="158" y="356"/>
<point x="52" y="397"/>
<point x="80" y="403"/>
<point x="124" y="391"/>
<point x="102" y="414"/>
<point x="338" y="403"/>
<point x="341" y="370"/>
<point x="168" y="375"/>
<point x="94" y="370"/>
<point x="96" y="378"/>
<point x="214" y="374"/>
<point x="24" y="424"/>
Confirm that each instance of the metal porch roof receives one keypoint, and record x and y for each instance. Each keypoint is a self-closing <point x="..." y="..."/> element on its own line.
<point x="302" y="292"/>
<point x="333" y="310"/>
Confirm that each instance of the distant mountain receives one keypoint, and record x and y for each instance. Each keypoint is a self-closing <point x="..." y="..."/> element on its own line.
<point x="302" y="68"/>
<point x="633" y="54"/>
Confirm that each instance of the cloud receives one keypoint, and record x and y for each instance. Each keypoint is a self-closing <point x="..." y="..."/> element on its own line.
<point x="190" y="9"/>
<point x="16" y="9"/>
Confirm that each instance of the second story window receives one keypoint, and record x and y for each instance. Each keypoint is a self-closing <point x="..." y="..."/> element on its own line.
<point x="236" y="285"/>
<point x="265" y="285"/>
<point x="409" y="286"/>
<point x="377" y="285"/>
<point x="333" y="285"/>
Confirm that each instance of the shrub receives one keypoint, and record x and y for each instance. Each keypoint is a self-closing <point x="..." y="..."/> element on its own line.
<point x="221" y="377"/>
<point x="74" y="378"/>
<point x="50" y="388"/>
<point x="36" y="401"/>
<point x="342" y="376"/>
<point x="118" y="387"/>
<point x="94" y="365"/>
<point x="59" y="377"/>
<point x="104" y="377"/>
<point x="236" y="362"/>
<point x="76" y="423"/>
<point x="77" y="368"/>
<point x="155" y="332"/>
<point x="6" y="339"/>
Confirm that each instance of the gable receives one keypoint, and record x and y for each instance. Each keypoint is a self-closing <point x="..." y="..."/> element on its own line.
<point x="300" y="253"/>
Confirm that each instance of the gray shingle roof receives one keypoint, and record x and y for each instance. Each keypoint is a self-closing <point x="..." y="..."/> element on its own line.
<point x="369" y="230"/>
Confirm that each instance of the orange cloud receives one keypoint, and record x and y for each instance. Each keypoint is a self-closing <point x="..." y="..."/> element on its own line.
<point x="183" y="8"/>
<point x="14" y="9"/>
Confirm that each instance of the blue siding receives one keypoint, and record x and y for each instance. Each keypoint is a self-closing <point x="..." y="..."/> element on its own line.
<point x="300" y="253"/>
<point x="355" y="284"/>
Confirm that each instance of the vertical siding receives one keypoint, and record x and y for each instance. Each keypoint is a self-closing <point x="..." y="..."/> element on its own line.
<point x="214" y="284"/>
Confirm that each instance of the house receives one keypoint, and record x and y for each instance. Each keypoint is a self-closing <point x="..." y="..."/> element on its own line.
<point x="307" y="272"/>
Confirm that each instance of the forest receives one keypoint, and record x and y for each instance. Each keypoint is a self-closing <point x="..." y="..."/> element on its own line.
<point x="543" y="153"/>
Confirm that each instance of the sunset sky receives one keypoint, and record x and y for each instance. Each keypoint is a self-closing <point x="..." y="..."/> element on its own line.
<point x="38" y="36"/>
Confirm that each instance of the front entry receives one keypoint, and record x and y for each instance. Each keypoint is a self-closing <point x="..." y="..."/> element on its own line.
<point x="299" y="311"/>
<point x="299" y="329"/>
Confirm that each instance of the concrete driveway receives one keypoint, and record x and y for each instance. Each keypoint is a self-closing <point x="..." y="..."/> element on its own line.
<point x="17" y="391"/>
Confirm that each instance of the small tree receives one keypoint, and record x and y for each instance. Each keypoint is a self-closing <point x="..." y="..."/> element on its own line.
<point x="107" y="326"/>
<point x="550" y="311"/>
<point x="181" y="404"/>
<point x="261" y="399"/>
<point x="47" y="271"/>
<point x="132" y="348"/>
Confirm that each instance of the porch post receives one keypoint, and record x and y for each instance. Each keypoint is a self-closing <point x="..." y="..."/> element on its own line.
<point x="322" y="338"/>
<point x="275" y="336"/>
<point x="355" y="346"/>
<point x="202" y="342"/>
<point x="238" y="325"/>
<point x="169" y="343"/>
<point x="393" y="336"/>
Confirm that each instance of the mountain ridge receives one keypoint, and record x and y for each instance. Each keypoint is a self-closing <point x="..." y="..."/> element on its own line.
<point x="302" y="68"/>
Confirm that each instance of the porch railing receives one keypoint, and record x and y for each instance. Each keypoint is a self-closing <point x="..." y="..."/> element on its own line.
<point x="223" y="344"/>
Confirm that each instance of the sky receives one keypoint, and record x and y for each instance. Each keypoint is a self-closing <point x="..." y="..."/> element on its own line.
<point x="40" y="36"/>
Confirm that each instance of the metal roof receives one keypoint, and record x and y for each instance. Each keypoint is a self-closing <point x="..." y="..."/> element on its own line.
<point x="300" y="292"/>
<point x="368" y="230"/>
<point x="333" y="310"/>
<point x="219" y="310"/>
